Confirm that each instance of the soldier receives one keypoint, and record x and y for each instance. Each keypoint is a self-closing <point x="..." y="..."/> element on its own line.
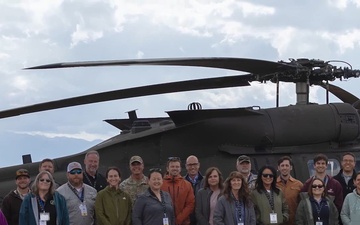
<point x="12" y="202"/>
<point x="137" y="183"/>
<point x="91" y="175"/>
<point x="243" y="165"/>
<point x="80" y="197"/>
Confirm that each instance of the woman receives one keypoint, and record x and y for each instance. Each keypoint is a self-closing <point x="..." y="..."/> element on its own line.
<point x="43" y="205"/>
<point x="269" y="201"/>
<point x="112" y="205"/>
<point x="207" y="197"/>
<point x="350" y="212"/>
<point x="235" y="206"/>
<point x="154" y="206"/>
<point x="315" y="207"/>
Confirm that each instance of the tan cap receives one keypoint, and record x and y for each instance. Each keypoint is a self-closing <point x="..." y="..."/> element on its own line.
<point x="136" y="158"/>
<point x="244" y="158"/>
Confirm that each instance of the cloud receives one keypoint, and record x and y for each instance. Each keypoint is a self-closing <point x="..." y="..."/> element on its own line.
<point x="84" y="35"/>
<point x="83" y="135"/>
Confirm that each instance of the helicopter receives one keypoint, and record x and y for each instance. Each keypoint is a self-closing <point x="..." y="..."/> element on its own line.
<point x="218" y="136"/>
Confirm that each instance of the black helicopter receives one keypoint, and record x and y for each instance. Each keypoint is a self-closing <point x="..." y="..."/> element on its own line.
<point x="218" y="136"/>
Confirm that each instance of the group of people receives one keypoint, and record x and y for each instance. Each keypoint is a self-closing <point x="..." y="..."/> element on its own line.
<point x="166" y="197"/>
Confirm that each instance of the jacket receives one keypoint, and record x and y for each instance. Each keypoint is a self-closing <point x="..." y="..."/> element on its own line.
<point x="11" y="207"/>
<point x="134" y="188"/>
<point x="73" y="204"/>
<point x="347" y="188"/>
<point x="291" y="192"/>
<point x="148" y="210"/>
<point x="263" y="208"/>
<point x="304" y="214"/>
<point x="196" y="187"/>
<point x="333" y="188"/>
<point x="98" y="182"/>
<point x="29" y="210"/>
<point x="113" y="207"/>
<point x="202" y="208"/>
<point x="350" y="212"/>
<point x="224" y="213"/>
<point x="182" y="196"/>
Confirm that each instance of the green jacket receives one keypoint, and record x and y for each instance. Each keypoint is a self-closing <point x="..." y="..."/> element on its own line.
<point x="263" y="208"/>
<point x="113" y="207"/>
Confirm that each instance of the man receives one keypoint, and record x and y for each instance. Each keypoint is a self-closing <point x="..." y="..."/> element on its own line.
<point x="80" y="197"/>
<point x="180" y="190"/>
<point x="195" y="178"/>
<point x="91" y="175"/>
<point x="346" y="176"/>
<point x="350" y="210"/>
<point x="333" y="187"/>
<point x="48" y="165"/>
<point x="289" y="186"/>
<point x="12" y="202"/>
<point x="243" y="165"/>
<point x="137" y="183"/>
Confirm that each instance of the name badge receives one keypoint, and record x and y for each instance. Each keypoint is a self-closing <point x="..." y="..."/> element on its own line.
<point x="165" y="221"/>
<point x="44" y="216"/>
<point x="319" y="223"/>
<point x="42" y="222"/>
<point x="273" y="218"/>
<point x="240" y="223"/>
<point x="83" y="209"/>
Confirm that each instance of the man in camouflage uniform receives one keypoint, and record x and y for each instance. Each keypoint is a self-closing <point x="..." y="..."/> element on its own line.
<point x="243" y="165"/>
<point x="137" y="183"/>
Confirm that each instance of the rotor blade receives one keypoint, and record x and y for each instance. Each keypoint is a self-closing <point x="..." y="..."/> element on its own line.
<point x="255" y="66"/>
<point x="190" y="85"/>
<point x="341" y="94"/>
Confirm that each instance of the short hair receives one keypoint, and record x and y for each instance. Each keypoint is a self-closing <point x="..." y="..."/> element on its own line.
<point x="348" y="153"/>
<point x="46" y="160"/>
<point x="319" y="157"/>
<point x="173" y="159"/>
<point x="112" y="168"/>
<point x="357" y="174"/>
<point x="35" y="188"/>
<point x="282" y="159"/>
<point x="207" y="175"/>
<point x="243" y="192"/>
<point x="154" y="170"/>
<point x="92" y="152"/>
<point x="310" y="187"/>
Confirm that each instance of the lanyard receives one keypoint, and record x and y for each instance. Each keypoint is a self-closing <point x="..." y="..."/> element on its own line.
<point x="78" y="194"/>
<point x="162" y="202"/>
<point x="319" y="207"/>
<point x="270" y="197"/>
<point x="88" y="179"/>
<point x="41" y="203"/>
<point x="238" y="208"/>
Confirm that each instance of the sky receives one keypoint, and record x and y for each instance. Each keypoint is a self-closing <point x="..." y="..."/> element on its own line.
<point x="40" y="32"/>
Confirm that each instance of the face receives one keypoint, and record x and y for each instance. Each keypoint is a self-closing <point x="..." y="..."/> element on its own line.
<point x="113" y="178"/>
<point x="47" y="166"/>
<point x="214" y="179"/>
<point x="285" y="168"/>
<point x="174" y="168"/>
<point x="348" y="163"/>
<point x="22" y="182"/>
<point x="192" y="166"/>
<point x="136" y="168"/>
<point x="75" y="177"/>
<point x="320" y="166"/>
<point x="235" y="184"/>
<point x="357" y="182"/>
<point x="44" y="182"/>
<point x="91" y="163"/>
<point x="244" y="167"/>
<point x="155" y="181"/>
<point x="267" y="177"/>
<point x="317" y="187"/>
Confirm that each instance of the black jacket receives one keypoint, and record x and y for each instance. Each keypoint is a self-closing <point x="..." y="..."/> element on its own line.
<point x="11" y="207"/>
<point x="347" y="188"/>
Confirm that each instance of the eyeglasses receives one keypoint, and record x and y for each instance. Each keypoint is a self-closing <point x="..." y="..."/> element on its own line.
<point x="268" y="175"/>
<point x="155" y="170"/>
<point x="317" y="186"/>
<point x="76" y="171"/>
<point x="45" y="180"/>
<point x="174" y="159"/>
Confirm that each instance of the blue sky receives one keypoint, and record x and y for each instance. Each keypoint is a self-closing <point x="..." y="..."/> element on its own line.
<point x="40" y="32"/>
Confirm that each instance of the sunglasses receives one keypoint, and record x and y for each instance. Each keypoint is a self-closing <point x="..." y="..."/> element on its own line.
<point x="155" y="170"/>
<point x="45" y="180"/>
<point x="174" y="159"/>
<point x="76" y="171"/>
<point x="268" y="175"/>
<point x="317" y="186"/>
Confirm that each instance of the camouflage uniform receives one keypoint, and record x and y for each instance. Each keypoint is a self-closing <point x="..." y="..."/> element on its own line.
<point x="134" y="188"/>
<point x="251" y="181"/>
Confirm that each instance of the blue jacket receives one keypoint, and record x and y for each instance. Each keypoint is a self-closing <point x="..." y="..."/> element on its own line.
<point x="29" y="210"/>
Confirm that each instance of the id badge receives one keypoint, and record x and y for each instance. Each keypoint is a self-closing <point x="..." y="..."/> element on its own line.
<point x="44" y="216"/>
<point x="273" y="218"/>
<point x="319" y="223"/>
<point x="165" y="221"/>
<point x="240" y="223"/>
<point x="83" y="209"/>
<point x="42" y="222"/>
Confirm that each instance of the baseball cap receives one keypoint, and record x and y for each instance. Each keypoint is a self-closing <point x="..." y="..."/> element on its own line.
<point x="22" y="172"/>
<point x="136" y="158"/>
<point x="243" y="158"/>
<point x="73" y="165"/>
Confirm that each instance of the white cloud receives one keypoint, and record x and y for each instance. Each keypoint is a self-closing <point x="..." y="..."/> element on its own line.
<point x="140" y="55"/>
<point x="80" y="135"/>
<point x="343" y="4"/>
<point x="84" y="35"/>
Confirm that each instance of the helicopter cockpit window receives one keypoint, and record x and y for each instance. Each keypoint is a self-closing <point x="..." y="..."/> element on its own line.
<point x="332" y="169"/>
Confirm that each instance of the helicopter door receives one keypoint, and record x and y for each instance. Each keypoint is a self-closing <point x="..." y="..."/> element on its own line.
<point x="332" y="169"/>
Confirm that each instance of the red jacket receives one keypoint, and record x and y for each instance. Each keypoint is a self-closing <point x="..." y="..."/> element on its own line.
<point x="182" y="196"/>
